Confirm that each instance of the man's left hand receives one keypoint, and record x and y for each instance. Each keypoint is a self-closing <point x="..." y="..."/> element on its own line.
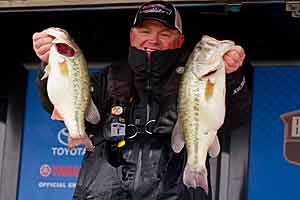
<point x="234" y="59"/>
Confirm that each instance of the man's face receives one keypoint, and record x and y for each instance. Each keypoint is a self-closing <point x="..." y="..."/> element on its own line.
<point x="152" y="35"/>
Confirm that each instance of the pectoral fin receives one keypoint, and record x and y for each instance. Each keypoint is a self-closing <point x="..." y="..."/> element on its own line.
<point x="177" y="139"/>
<point x="92" y="114"/>
<point x="46" y="72"/>
<point x="56" y="115"/>
<point x="215" y="148"/>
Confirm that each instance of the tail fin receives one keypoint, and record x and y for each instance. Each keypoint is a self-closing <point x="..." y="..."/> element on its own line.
<point x="85" y="140"/>
<point x="192" y="178"/>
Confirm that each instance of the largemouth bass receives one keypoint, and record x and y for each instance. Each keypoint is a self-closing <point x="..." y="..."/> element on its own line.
<point x="68" y="87"/>
<point x="201" y="108"/>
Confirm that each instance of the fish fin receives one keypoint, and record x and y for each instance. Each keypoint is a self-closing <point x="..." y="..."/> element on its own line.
<point x="56" y="115"/>
<point x="73" y="142"/>
<point x="193" y="178"/>
<point x="92" y="114"/>
<point x="46" y="71"/>
<point x="177" y="139"/>
<point x="215" y="148"/>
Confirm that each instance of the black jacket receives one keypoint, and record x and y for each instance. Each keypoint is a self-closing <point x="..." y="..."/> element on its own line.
<point x="146" y="167"/>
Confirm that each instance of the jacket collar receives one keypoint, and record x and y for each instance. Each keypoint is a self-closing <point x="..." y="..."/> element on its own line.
<point x="157" y="64"/>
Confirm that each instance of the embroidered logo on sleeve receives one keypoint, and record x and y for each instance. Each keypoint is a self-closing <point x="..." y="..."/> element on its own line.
<point x="240" y="87"/>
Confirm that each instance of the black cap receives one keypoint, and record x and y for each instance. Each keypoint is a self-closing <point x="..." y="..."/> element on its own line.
<point x="161" y="11"/>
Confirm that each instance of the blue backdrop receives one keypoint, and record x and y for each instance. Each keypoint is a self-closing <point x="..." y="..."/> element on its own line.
<point x="48" y="169"/>
<point x="275" y="91"/>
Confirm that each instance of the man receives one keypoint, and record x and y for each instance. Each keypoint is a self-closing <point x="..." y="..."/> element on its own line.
<point x="142" y="95"/>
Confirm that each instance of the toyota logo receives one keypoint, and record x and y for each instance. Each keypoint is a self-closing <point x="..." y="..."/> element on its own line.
<point x="62" y="136"/>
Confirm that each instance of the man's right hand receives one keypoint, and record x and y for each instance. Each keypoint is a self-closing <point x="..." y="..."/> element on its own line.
<point x="41" y="45"/>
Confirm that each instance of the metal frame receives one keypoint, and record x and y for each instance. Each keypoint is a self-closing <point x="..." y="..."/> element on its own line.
<point x="11" y="132"/>
<point x="229" y="171"/>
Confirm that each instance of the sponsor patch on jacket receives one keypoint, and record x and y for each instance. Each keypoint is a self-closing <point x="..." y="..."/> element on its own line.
<point x="180" y="70"/>
<point x="116" y="110"/>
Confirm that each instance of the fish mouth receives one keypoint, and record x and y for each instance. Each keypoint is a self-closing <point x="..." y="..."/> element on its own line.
<point x="210" y="73"/>
<point x="65" y="49"/>
<point x="204" y="74"/>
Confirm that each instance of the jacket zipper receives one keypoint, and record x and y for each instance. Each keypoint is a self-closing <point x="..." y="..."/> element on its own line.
<point x="149" y="87"/>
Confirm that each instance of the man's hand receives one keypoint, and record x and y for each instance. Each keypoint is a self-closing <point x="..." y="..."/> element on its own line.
<point x="234" y="59"/>
<point x="41" y="45"/>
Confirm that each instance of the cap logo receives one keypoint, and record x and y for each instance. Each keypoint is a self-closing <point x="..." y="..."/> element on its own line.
<point x="156" y="8"/>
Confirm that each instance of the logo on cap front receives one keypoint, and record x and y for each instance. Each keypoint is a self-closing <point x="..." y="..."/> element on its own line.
<point x="156" y="8"/>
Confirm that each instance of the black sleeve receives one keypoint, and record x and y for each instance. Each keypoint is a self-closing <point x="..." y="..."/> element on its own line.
<point x="238" y="98"/>
<point x="98" y="89"/>
<point x="99" y="96"/>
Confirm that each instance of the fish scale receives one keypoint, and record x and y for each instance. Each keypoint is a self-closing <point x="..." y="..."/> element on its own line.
<point x="82" y="94"/>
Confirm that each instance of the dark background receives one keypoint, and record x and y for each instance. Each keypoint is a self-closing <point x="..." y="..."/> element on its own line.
<point x="266" y="31"/>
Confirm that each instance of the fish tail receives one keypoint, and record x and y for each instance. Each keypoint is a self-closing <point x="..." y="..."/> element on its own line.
<point x="73" y="142"/>
<point x="193" y="178"/>
<point x="88" y="144"/>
